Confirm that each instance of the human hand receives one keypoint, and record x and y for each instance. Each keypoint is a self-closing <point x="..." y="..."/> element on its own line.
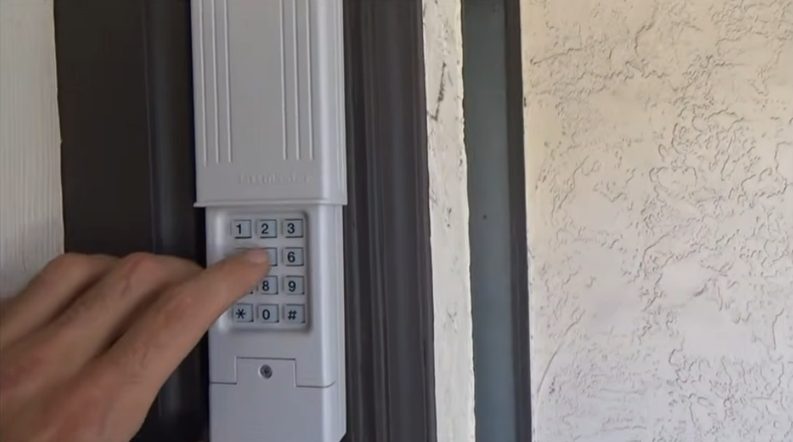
<point x="85" y="348"/>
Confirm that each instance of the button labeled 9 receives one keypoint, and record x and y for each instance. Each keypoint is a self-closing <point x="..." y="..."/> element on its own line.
<point x="293" y="285"/>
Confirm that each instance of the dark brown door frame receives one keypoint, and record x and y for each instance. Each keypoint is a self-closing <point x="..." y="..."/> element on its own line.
<point x="390" y="328"/>
<point x="124" y="78"/>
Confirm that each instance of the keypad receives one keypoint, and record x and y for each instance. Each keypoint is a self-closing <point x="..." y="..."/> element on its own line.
<point x="279" y="301"/>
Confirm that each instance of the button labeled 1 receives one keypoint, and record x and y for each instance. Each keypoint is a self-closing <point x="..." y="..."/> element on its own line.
<point x="241" y="228"/>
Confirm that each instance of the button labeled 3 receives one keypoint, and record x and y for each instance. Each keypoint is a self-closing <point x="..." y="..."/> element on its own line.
<point x="293" y="228"/>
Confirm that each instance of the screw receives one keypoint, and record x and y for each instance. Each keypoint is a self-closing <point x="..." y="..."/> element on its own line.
<point x="266" y="371"/>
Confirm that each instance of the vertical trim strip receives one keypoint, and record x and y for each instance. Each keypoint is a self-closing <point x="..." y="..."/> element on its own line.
<point x="215" y="88"/>
<point x="229" y="145"/>
<point x="518" y="228"/>
<point x="390" y="343"/>
<point x="284" y="126"/>
<point x="202" y="79"/>
<point x="310" y="77"/>
<point x="295" y="77"/>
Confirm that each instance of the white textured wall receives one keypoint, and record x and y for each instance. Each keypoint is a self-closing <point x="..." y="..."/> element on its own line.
<point x="31" y="226"/>
<point x="454" y="381"/>
<point x="660" y="198"/>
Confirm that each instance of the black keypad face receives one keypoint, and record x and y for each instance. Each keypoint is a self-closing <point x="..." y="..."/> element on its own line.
<point x="279" y="301"/>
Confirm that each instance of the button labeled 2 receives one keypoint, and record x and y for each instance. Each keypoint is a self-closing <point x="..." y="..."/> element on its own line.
<point x="267" y="228"/>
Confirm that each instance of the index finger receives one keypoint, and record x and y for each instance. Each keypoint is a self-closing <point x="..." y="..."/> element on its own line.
<point x="166" y="332"/>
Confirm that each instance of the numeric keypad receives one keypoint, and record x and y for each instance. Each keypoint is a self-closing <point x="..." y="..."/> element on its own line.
<point x="280" y="300"/>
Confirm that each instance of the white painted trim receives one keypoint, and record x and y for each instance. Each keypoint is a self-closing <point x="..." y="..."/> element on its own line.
<point x="454" y="375"/>
<point x="31" y="215"/>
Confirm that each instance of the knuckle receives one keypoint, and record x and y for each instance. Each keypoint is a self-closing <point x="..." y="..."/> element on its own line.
<point x="141" y="262"/>
<point x="69" y="263"/>
<point x="157" y="268"/>
<point x="141" y="268"/>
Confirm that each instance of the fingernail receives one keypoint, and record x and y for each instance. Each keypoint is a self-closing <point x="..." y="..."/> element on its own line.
<point x="256" y="256"/>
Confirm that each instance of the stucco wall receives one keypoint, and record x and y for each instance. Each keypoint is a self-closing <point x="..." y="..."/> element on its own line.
<point x="454" y="379"/>
<point x="31" y="226"/>
<point x="660" y="199"/>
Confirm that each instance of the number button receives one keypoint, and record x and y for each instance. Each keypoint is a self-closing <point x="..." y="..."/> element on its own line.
<point x="294" y="285"/>
<point x="242" y="313"/>
<point x="293" y="228"/>
<point x="295" y="314"/>
<point x="267" y="228"/>
<point x="272" y="253"/>
<point x="268" y="313"/>
<point x="241" y="228"/>
<point x="270" y="285"/>
<point x="293" y="256"/>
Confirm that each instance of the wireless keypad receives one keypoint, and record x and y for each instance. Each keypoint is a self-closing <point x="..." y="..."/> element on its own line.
<point x="270" y="165"/>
